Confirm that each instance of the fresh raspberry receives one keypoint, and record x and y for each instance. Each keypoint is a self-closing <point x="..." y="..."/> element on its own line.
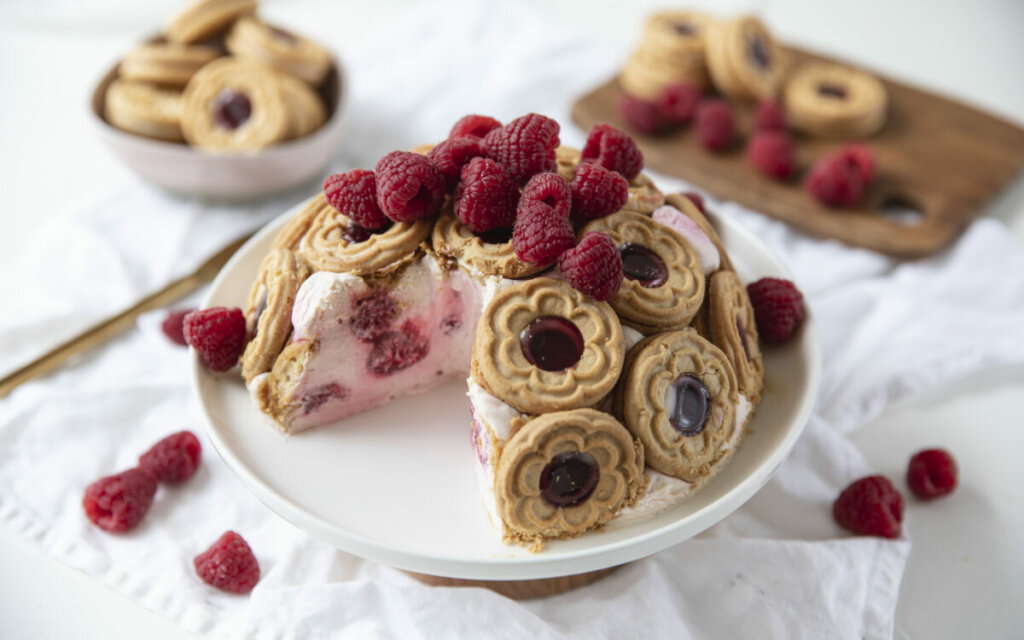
<point x="541" y="234"/>
<point x="228" y="565"/>
<point x="768" y="116"/>
<point x="697" y="200"/>
<point x="473" y="125"/>
<point x="678" y="102"/>
<point x="373" y="314"/>
<point x="594" y="266"/>
<point x="409" y="186"/>
<point x="596" y="192"/>
<point x="778" y="308"/>
<point x="861" y="157"/>
<point x="173" y="326"/>
<point x="643" y="115"/>
<point x="771" y="152"/>
<point x="451" y="156"/>
<point x="613" y="149"/>
<point x="836" y="181"/>
<point x="870" y="506"/>
<point x="550" y="188"/>
<point x="525" y="146"/>
<point x="716" y="127"/>
<point x="355" y="194"/>
<point x="486" y="197"/>
<point x="932" y="473"/>
<point x="217" y="334"/>
<point x="173" y="459"/>
<point x="397" y="350"/>
<point x="119" y="502"/>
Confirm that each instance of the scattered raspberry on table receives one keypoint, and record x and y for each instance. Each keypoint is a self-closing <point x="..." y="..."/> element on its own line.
<point x="870" y="506"/>
<point x="932" y="473"/>
<point x="173" y="325"/>
<point x="716" y="126"/>
<point x="229" y="564"/>
<point x="771" y="153"/>
<point x="172" y="459"/>
<point x="119" y="502"/>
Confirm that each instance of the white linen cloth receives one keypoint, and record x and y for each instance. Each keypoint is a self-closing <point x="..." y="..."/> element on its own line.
<point x="777" y="568"/>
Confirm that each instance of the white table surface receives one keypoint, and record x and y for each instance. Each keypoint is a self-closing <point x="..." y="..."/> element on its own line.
<point x="965" y="576"/>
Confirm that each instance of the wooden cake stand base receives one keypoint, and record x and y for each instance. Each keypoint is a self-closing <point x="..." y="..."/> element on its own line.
<point x="520" y="589"/>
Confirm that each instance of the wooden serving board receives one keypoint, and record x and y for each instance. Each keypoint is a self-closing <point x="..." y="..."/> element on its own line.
<point x="935" y="156"/>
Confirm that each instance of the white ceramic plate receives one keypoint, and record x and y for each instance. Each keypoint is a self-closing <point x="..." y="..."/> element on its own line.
<point x="396" y="484"/>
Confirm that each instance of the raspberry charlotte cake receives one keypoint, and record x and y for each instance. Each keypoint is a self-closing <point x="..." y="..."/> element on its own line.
<point x="610" y="350"/>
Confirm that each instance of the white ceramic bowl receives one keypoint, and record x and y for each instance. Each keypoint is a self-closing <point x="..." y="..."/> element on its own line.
<point x="227" y="176"/>
<point x="395" y="484"/>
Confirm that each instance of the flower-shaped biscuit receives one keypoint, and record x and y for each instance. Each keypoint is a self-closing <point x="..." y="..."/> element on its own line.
<point x="543" y="346"/>
<point x="566" y="472"/>
<point x="734" y="331"/>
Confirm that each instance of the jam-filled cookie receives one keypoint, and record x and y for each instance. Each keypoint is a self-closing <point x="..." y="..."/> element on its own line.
<point x="489" y="253"/>
<point x="543" y="346"/>
<point x="206" y="18"/>
<point x="733" y="330"/>
<point x="832" y="100"/>
<point x="279" y="49"/>
<point x="333" y="242"/>
<point x="306" y="112"/>
<point x="167" y="64"/>
<point x="290" y="235"/>
<point x="664" y="283"/>
<point x="744" y="60"/>
<point x="144" y="109"/>
<point x="234" y="105"/>
<point x="268" y="314"/>
<point x="565" y="473"/>
<point x="679" y="395"/>
<point x="679" y="34"/>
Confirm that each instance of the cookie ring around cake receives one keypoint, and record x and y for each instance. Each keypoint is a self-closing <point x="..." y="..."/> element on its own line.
<point x="679" y="398"/>
<point x="543" y="346"/>
<point x="452" y="239"/>
<point x="733" y="329"/>
<point x="664" y="284"/>
<point x="565" y="473"/>
<point x="268" y="312"/>
<point x="332" y="242"/>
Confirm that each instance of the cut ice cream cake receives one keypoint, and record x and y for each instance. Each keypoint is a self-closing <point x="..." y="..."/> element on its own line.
<point x="610" y="350"/>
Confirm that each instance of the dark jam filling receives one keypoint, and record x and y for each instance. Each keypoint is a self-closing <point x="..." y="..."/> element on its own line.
<point x="742" y="332"/>
<point x="231" y="109"/>
<point x="759" y="54"/>
<point x="496" y="236"/>
<point x="569" y="478"/>
<point x="685" y="28"/>
<point x="643" y="265"/>
<point x="261" y="306"/>
<point x="551" y="343"/>
<point x="832" y="91"/>
<point x="692" y="405"/>
<point x="355" y="233"/>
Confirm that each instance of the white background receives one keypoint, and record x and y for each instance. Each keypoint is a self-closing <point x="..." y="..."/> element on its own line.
<point x="52" y="52"/>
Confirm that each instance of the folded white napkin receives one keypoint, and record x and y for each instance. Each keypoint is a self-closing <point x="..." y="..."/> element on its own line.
<point x="777" y="568"/>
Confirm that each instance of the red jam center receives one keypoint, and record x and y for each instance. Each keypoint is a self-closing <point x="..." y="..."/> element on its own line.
<point x="231" y="109"/>
<point x="832" y="91"/>
<point x="355" y="233"/>
<point x="569" y="478"/>
<point x="643" y="265"/>
<point x="685" y="28"/>
<point x="551" y="343"/>
<point x="692" y="404"/>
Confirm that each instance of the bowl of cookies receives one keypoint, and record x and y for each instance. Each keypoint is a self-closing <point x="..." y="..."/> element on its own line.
<point x="222" y="104"/>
